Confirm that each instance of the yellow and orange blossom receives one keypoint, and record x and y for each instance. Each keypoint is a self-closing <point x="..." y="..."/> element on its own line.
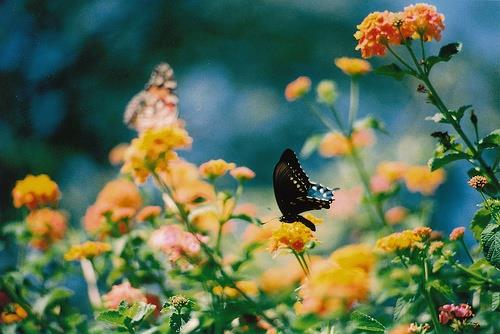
<point x="242" y="173"/>
<point x="248" y="287"/>
<point x="421" y="179"/>
<point x="336" y="144"/>
<point x="355" y="256"/>
<point x="422" y="21"/>
<point x="375" y="32"/>
<point x="35" y="191"/>
<point x="153" y="151"/>
<point x="403" y="240"/>
<point x="88" y="249"/>
<point x="46" y="226"/>
<point x="215" y="168"/>
<point x="294" y="236"/>
<point x="297" y="88"/>
<point x="353" y="66"/>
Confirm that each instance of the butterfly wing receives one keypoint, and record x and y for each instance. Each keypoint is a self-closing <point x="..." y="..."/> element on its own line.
<point x="293" y="191"/>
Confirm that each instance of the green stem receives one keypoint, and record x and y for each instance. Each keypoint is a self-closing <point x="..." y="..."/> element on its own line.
<point x="476" y="275"/>
<point x="299" y="260"/>
<point x="320" y="116"/>
<point x="455" y="124"/>
<point x="412" y="71"/>
<point x="462" y="242"/>
<point x="428" y="298"/>
<point x="338" y="120"/>
<point x="493" y="213"/>
<point x="365" y="180"/>
<point x="209" y="253"/>
<point x="353" y="103"/>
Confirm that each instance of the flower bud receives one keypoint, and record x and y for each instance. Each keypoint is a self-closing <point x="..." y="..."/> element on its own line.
<point x="327" y="92"/>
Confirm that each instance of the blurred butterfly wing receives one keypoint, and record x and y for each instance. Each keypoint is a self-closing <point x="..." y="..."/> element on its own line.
<point x="293" y="191"/>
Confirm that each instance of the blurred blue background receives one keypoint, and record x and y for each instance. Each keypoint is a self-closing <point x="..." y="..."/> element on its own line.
<point x="68" y="69"/>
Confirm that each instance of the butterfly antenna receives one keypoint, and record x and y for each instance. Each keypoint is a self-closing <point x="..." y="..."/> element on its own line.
<point x="270" y="220"/>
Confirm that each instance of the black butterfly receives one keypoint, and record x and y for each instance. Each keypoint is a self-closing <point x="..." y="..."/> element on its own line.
<point x="295" y="193"/>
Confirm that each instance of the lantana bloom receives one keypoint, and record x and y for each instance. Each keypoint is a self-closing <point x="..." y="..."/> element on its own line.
<point x="148" y="212"/>
<point x="297" y="88"/>
<point x="242" y="173"/>
<point x="421" y="179"/>
<point x="326" y="92"/>
<point x="88" y="249"/>
<point x="35" y="191"/>
<point x="336" y="144"/>
<point x="294" y="236"/>
<point x="457" y="233"/>
<point x="153" y="150"/>
<point x="176" y="242"/>
<point x="375" y="32"/>
<point x="422" y="21"/>
<point x="46" y="226"/>
<point x="403" y="240"/>
<point x="216" y="168"/>
<point x="12" y="313"/>
<point x="355" y="256"/>
<point x="450" y="312"/>
<point x="353" y="66"/>
<point x="396" y="215"/>
<point x="123" y="292"/>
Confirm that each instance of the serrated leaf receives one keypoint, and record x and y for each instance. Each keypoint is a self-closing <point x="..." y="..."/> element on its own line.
<point x="175" y="323"/>
<point x="311" y="145"/>
<point x="438" y="162"/>
<point x="481" y="219"/>
<point x="490" y="240"/>
<point x="363" y="321"/>
<point x="490" y="141"/>
<point x="401" y="308"/>
<point x="495" y="301"/>
<point x="138" y="311"/>
<point x="112" y="317"/>
<point x="391" y="70"/>
<point x="437" y="118"/>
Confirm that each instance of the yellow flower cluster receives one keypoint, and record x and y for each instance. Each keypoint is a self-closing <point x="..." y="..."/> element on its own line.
<point x="248" y="287"/>
<point x="46" y="226"/>
<point x="403" y="240"/>
<point x="215" y="168"/>
<point x="338" y="283"/>
<point x="294" y="236"/>
<point x="35" y="191"/>
<point x="153" y="150"/>
<point x="88" y="249"/>
<point x="353" y="66"/>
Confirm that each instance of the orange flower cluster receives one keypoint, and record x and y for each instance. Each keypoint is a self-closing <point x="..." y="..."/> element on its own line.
<point x="114" y="208"/>
<point x="153" y="150"/>
<point x="404" y="240"/>
<point x="248" y="287"/>
<point x="297" y="88"/>
<point x="279" y="279"/>
<point x="336" y="144"/>
<point x="242" y="173"/>
<point x="337" y="284"/>
<point x="46" y="226"/>
<point x="123" y="292"/>
<point x="417" y="178"/>
<point x="12" y="314"/>
<point x="380" y="29"/>
<point x="35" y="191"/>
<point x="88" y="249"/>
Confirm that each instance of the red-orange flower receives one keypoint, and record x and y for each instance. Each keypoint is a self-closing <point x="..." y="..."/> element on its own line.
<point x="422" y="21"/>
<point x="46" y="227"/>
<point x="375" y="32"/>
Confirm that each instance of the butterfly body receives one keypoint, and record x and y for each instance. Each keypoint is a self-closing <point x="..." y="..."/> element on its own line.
<point x="295" y="193"/>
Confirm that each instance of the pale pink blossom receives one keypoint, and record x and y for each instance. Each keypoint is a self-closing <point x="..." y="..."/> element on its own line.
<point x="176" y="242"/>
<point x="123" y="292"/>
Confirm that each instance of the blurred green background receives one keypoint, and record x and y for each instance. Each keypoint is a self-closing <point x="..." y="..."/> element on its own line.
<point x="68" y="69"/>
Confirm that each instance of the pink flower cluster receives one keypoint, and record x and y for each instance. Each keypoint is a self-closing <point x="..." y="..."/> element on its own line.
<point x="450" y="312"/>
<point x="176" y="242"/>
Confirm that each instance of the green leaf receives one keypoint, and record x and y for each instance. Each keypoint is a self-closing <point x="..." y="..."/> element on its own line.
<point x="449" y="50"/>
<point x="442" y="288"/>
<point x="112" y="317"/>
<point x="175" y="323"/>
<point x="490" y="141"/>
<point x="311" y="145"/>
<point x="139" y="311"/>
<point x="458" y="114"/>
<point x="54" y="296"/>
<point x="391" y="70"/>
<point x="438" y="264"/>
<point x="438" y="162"/>
<point x="490" y="240"/>
<point x="437" y="118"/>
<point x="495" y="301"/>
<point x="401" y="308"/>
<point x="367" y="323"/>
<point x="481" y="219"/>
<point x="444" y="55"/>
